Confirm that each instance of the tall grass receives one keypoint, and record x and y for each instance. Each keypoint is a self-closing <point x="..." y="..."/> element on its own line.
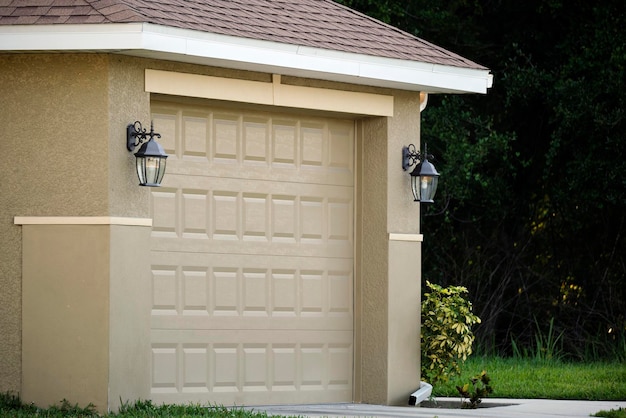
<point x="548" y="346"/>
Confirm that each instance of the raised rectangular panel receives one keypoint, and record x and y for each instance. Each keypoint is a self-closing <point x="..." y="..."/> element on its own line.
<point x="226" y="137"/>
<point x="255" y="290"/>
<point x="312" y="144"/>
<point x="164" y="368"/>
<point x="225" y="368"/>
<point x="312" y="219"/>
<point x="341" y="141"/>
<point x="340" y="286"/>
<point x="284" y="218"/>
<point x="284" y="367"/>
<point x="340" y="365"/>
<point x="225" y="215"/>
<point x="340" y="219"/>
<point x="195" y="138"/>
<point x="195" y="292"/>
<point x="164" y="290"/>
<point x="255" y="140"/>
<point x="195" y="214"/>
<point x="226" y="291"/>
<point x="284" y="288"/>
<point x="195" y="368"/>
<point x="284" y="142"/>
<point x="313" y="294"/>
<point x="165" y="124"/>
<point x="255" y="216"/>
<point x="255" y="368"/>
<point x="164" y="213"/>
<point x="312" y="358"/>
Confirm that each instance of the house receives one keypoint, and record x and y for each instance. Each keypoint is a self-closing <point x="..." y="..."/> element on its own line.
<point x="279" y="261"/>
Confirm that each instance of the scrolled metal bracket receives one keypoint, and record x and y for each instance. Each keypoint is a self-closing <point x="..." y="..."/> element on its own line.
<point x="411" y="156"/>
<point x="136" y="135"/>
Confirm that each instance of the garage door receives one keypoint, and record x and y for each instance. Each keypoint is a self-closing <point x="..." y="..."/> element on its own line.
<point x="252" y="258"/>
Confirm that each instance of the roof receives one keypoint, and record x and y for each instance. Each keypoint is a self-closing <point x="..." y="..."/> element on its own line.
<point x="322" y="25"/>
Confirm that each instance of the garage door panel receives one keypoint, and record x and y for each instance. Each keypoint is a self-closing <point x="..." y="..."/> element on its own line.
<point x="200" y="217"/>
<point x="195" y="290"/>
<point x="221" y="144"/>
<point x="252" y="258"/>
<point x="268" y="362"/>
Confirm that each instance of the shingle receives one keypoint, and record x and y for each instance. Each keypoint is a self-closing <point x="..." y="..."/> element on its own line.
<point x="316" y="23"/>
<point x="31" y="11"/>
<point x="34" y="2"/>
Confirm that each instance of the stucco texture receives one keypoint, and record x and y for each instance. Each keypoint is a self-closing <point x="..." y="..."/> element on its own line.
<point x="53" y="141"/>
<point x="62" y="136"/>
<point x="388" y="292"/>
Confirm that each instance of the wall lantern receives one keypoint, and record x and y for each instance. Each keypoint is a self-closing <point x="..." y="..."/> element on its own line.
<point x="424" y="176"/>
<point x="150" y="158"/>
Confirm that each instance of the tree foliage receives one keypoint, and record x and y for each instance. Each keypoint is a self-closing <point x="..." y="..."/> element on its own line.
<point x="531" y="209"/>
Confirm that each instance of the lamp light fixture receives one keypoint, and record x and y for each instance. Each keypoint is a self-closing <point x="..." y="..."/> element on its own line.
<point x="424" y="176"/>
<point x="150" y="158"/>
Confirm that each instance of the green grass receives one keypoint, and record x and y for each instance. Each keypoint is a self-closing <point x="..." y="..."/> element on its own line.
<point x="613" y="413"/>
<point x="510" y="378"/>
<point x="11" y="406"/>
<point x="529" y="378"/>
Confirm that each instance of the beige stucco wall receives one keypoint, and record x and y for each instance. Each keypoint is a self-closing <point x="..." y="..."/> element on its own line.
<point x="71" y="110"/>
<point x="66" y="309"/>
<point x="388" y="307"/>
<point x="129" y="314"/>
<point x="54" y="145"/>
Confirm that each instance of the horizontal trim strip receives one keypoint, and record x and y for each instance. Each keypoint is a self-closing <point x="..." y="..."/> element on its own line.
<point x="81" y="220"/>
<point x="275" y="93"/>
<point x="406" y="237"/>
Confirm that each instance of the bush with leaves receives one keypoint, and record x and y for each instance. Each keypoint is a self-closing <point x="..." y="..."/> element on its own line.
<point x="480" y="388"/>
<point x="447" y="337"/>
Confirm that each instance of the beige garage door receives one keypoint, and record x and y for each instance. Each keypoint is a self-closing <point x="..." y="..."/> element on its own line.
<point x="252" y="258"/>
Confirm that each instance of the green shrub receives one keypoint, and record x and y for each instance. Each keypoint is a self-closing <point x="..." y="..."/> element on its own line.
<point x="480" y="388"/>
<point x="447" y="336"/>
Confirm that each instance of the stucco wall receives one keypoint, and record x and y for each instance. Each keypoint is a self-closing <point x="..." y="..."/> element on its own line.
<point x="53" y="140"/>
<point x="66" y="310"/>
<point x="388" y="306"/>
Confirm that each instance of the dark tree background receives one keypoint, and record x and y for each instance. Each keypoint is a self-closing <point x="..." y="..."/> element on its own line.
<point x="530" y="213"/>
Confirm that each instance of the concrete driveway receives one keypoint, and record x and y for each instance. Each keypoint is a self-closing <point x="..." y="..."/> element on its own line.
<point x="494" y="408"/>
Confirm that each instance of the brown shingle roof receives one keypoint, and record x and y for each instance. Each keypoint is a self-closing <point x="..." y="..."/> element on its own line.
<point x="314" y="23"/>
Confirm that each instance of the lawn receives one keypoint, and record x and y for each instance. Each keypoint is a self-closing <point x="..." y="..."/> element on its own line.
<point x="510" y="378"/>
<point x="527" y="378"/>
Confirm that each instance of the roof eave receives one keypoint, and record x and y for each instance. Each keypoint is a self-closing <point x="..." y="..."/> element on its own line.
<point x="183" y="45"/>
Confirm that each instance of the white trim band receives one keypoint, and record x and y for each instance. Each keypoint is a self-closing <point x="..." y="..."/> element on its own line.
<point x="192" y="46"/>
<point x="81" y="220"/>
<point x="406" y="237"/>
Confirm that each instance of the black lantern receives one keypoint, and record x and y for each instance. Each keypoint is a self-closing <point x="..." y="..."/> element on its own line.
<point x="424" y="176"/>
<point x="150" y="158"/>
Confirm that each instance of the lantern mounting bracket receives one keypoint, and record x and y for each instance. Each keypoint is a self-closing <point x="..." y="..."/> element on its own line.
<point x="137" y="135"/>
<point x="411" y="156"/>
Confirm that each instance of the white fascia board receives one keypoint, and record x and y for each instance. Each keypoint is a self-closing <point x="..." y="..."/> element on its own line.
<point x="154" y="41"/>
<point x="101" y="37"/>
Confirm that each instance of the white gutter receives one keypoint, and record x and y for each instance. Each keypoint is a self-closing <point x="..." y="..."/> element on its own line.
<point x="162" y="42"/>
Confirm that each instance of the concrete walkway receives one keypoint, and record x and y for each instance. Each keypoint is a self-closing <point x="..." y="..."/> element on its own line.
<point x="494" y="408"/>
